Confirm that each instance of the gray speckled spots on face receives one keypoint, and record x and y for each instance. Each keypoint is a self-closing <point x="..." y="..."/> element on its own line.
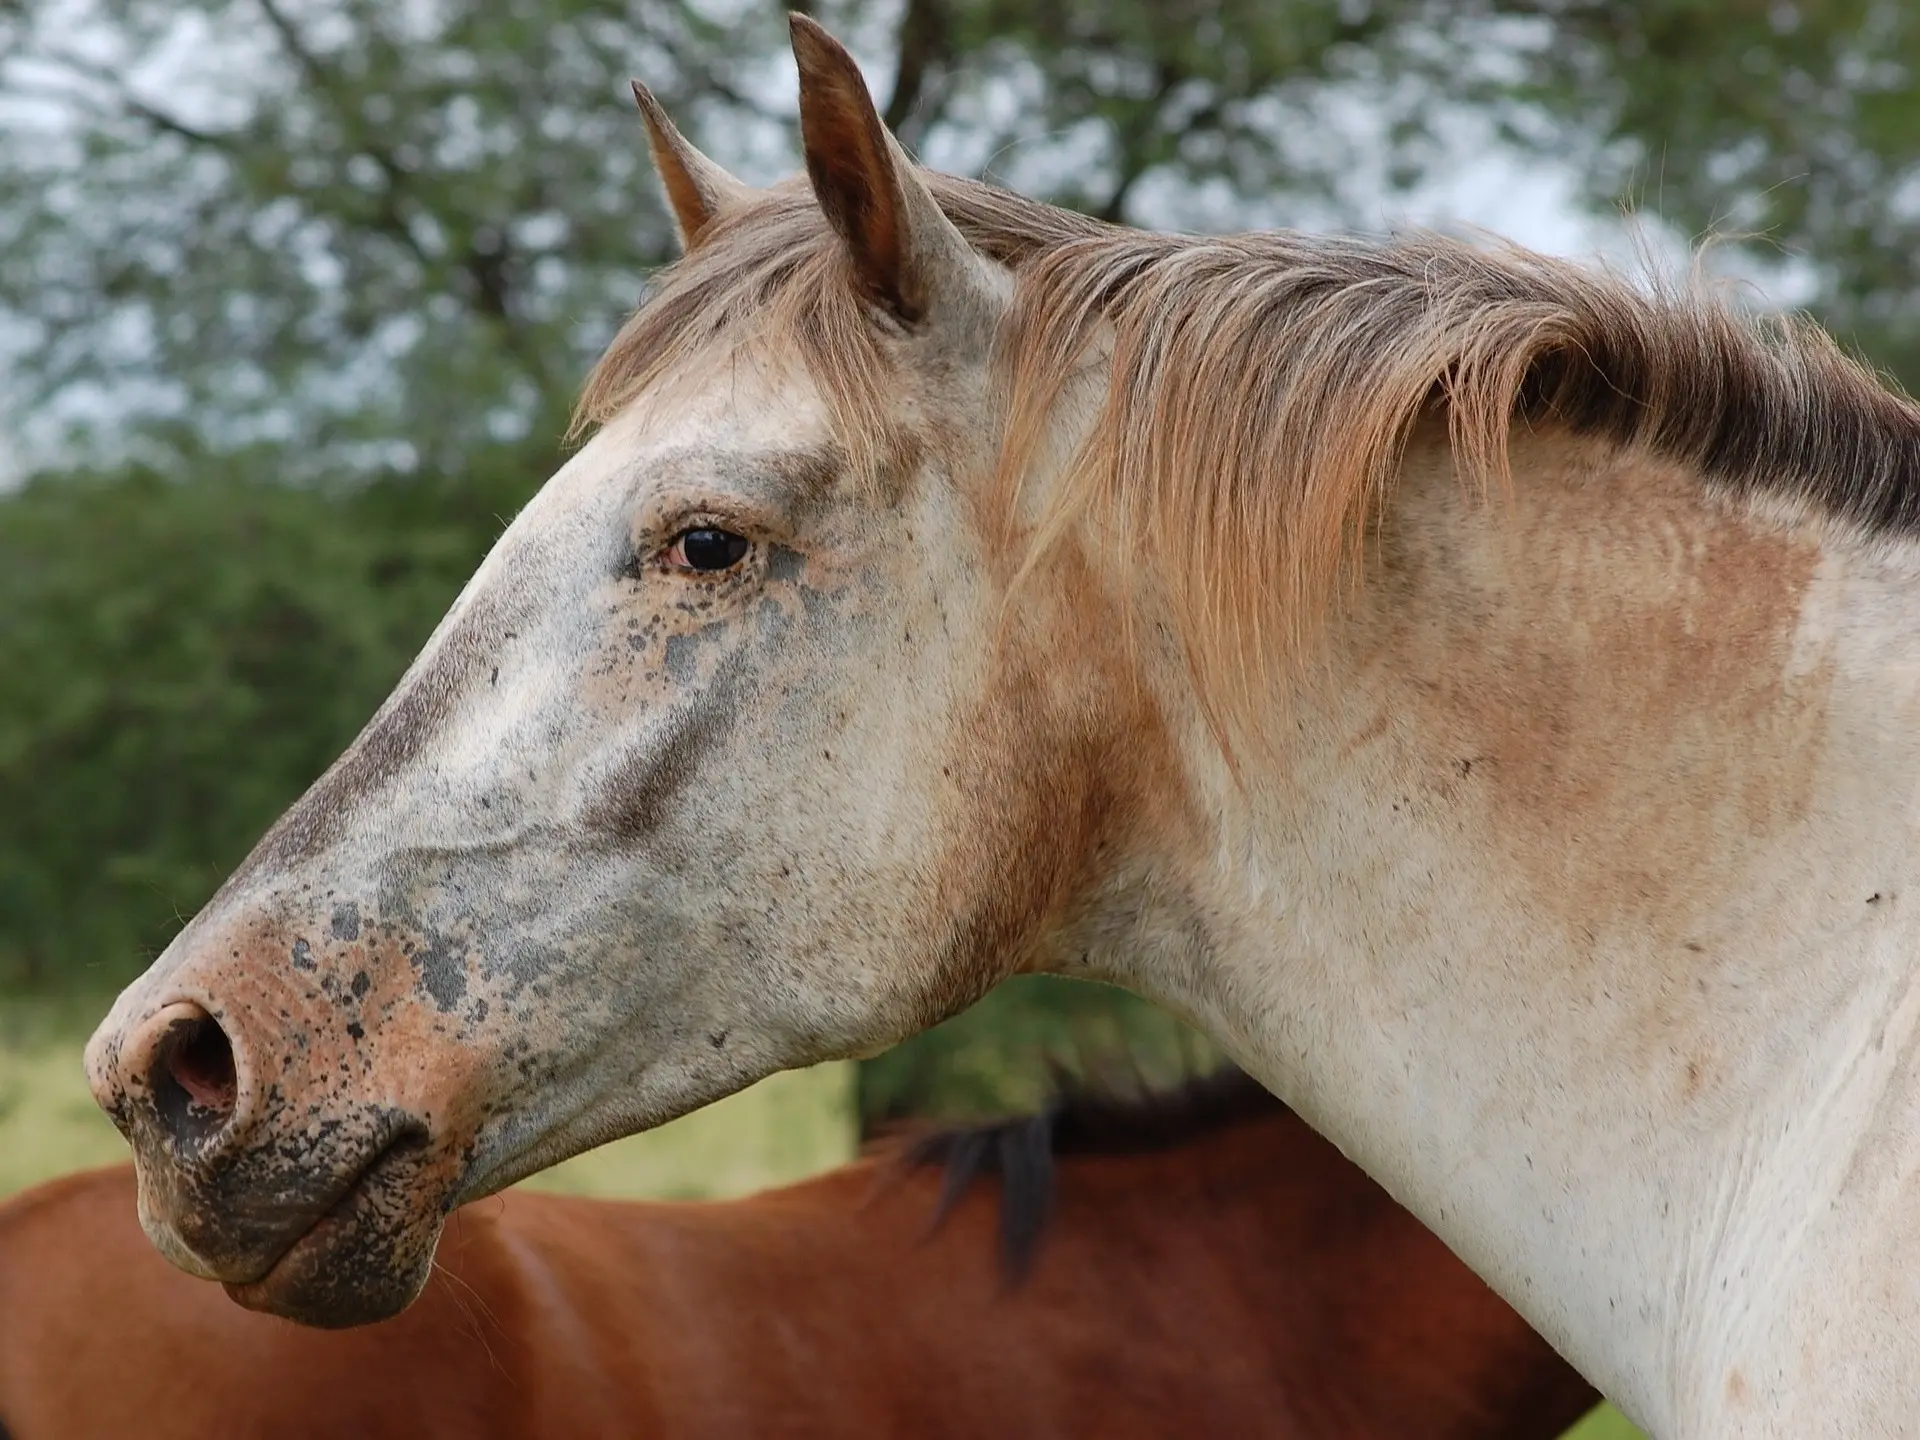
<point x="346" y="921"/>
<point x="818" y="603"/>
<point x="443" y="971"/>
<point x="784" y="563"/>
<point x="302" y="955"/>
<point x="681" y="650"/>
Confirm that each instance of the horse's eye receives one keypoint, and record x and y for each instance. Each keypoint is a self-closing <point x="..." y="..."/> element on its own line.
<point x="706" y="549"/>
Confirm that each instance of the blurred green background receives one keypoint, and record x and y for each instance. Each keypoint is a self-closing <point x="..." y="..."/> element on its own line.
<point x="294" y="299"/>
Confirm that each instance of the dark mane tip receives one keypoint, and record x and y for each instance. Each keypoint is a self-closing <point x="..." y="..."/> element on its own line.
<point x="1081" y="1118"/>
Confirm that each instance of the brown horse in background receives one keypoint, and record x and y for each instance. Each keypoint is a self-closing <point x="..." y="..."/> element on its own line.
<point x="1197" y="1262"/>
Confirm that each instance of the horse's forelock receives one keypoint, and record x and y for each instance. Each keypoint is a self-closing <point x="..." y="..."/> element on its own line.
<point x="768" y="274"/>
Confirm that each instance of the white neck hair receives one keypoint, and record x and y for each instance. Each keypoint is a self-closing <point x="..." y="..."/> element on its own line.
<point x="1575" y="910"/>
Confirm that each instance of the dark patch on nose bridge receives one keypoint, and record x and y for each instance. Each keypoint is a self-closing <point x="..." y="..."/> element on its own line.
<point x="681" y="650"/>
<point x="346" y="921"/>
<point x="638" y="798"/>
<point x="443" y="971"/>
<point x="402" y="727"/>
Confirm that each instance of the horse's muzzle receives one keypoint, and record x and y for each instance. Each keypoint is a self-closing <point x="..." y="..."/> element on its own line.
<point x="313" y="1188"/>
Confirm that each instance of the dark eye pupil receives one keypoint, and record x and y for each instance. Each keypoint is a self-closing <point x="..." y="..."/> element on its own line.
<point x="713" y="549"/>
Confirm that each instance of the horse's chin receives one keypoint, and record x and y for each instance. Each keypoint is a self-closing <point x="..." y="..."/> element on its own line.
<point x="356" y="1267"/>
<point x="367" y="1259"/>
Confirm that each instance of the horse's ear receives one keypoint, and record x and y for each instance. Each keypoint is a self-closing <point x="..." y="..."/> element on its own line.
<point x="899" y="239"/>
<point x="697" y="189"/>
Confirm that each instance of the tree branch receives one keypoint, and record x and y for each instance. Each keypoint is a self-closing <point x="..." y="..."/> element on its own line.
<point x="390" y="221"/>
<point x="1134" y="137"/>
<point x="925" y="46"/>
<point x="132" y="105"/>
<point x="484" y="260"/>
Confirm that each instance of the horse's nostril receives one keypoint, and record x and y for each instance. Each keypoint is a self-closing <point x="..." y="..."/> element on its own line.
<point x="201" y="1060"/>
<point x="194" y="1082"/>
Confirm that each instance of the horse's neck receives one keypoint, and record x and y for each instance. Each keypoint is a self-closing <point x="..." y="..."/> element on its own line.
<point x="1579" y="916"/>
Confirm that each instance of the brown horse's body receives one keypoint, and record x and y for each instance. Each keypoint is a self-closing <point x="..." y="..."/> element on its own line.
<point x="1244" y="1281"/>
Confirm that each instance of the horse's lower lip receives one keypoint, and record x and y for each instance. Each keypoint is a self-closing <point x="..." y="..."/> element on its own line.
<point x="257" y="1294"/>
<point x="353" y="1265"/>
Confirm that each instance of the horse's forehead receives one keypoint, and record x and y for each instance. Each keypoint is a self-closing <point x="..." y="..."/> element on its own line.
<point x="699" y="428"/>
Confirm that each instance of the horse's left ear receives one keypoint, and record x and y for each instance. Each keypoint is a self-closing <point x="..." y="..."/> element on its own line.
<point x="697" y="189"/>
<point x="902" y="245"/>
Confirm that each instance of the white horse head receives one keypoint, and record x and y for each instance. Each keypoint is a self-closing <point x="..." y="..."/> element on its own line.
<point x="730" y="758"/>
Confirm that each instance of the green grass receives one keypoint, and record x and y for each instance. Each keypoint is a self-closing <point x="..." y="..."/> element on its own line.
<point x="49" y="1124"/>
<point x="780" y="1130"/>
<point x="1606" y="1423"/>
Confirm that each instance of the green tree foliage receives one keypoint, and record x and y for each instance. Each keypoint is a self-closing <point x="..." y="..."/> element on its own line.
<point x="376" y="234"/>
<point x="1792" y="126"/>
<point x="393" y="235"/>
<point x="1193" y="91"/>
<point x="180" y="659"/>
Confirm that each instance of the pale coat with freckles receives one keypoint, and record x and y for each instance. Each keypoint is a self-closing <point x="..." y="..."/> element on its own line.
<point x="1554" y="864"/>
<point x="1574" y="731"/>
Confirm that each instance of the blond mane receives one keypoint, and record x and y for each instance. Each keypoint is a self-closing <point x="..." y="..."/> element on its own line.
<point x="1263" y="387"/>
